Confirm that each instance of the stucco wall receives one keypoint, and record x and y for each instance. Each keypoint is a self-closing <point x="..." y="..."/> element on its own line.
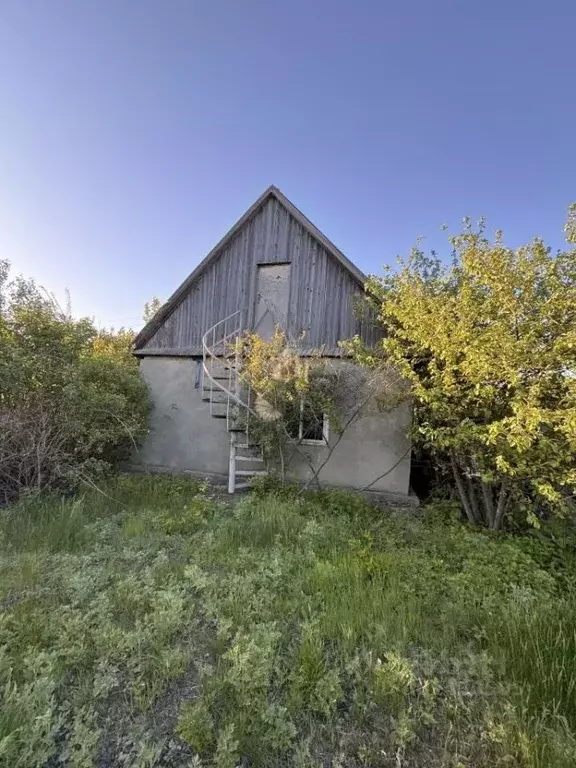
<point x="372" y="446"/>
<point x="374" y="449"/>
<point x="184" y="437"/>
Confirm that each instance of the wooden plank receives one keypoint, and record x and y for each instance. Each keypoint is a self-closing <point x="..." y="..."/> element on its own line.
<point x="282" y="253"/>
<point x="269" y="247"/>
<point x="320" y="288"/>
<point x="320" y="236"/>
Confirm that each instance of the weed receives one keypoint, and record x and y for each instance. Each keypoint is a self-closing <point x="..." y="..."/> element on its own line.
<point x="321" y="630"/>
<point x="195" y="725"/>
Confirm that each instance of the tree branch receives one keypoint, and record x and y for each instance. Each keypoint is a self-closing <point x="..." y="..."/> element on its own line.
<point x="393" y="467"/>
<point x="473" y="500"/>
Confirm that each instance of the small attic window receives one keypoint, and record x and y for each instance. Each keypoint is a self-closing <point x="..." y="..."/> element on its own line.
<point x="273" y="263"/>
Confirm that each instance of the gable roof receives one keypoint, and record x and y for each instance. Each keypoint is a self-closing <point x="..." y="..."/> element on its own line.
<point x="180" y="293"/>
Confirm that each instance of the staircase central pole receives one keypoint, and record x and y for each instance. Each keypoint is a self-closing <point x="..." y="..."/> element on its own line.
<point x="232" y="465"/>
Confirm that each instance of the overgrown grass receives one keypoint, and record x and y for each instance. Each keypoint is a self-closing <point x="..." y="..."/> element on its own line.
<point x="153" y="625"/>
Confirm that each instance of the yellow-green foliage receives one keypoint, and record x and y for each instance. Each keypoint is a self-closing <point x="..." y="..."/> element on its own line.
<point x="293" y="397"/>
<point x="488" y="344"/>
<point x="195" y="725"/>
<point x="285" y="388"/>
<point x="269" y="364"/>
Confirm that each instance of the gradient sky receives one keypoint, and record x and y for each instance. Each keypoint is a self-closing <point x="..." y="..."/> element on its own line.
<point x="133" y="133"/>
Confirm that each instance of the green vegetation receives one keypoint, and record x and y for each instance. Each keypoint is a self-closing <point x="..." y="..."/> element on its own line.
<point x="292" y="397"/>
<point x="487" y="342"/>
<point x="151" y="624"/>
<point x="72" y="404"/>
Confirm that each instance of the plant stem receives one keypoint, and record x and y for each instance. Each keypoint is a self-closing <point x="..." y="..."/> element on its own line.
<point x="462" y="491"/>
<point x="502" y="498"/>
<point x="488" y="502"/>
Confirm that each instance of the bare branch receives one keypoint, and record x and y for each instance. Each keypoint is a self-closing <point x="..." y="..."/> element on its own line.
<point x="387" y="472"/>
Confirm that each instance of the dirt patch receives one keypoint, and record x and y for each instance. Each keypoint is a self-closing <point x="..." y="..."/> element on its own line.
<point x="127" y="732"/>
<point x="163" y="716"/>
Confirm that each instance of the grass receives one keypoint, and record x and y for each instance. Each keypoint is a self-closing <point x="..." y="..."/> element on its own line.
<point x="153" y="625"/>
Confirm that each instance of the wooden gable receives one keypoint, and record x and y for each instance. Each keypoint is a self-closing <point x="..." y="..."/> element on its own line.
<point x="322" y="286"/>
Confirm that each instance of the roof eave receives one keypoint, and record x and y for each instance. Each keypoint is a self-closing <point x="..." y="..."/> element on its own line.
<point x="179" y="294"/>
<point x="320" y="236"/>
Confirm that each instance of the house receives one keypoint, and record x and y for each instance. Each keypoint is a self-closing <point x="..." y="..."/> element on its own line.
<point x="273" y="268"/>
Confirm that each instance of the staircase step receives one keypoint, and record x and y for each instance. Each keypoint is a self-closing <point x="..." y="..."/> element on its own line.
<point x="221" y="379"/>
<point x="217" y="391"/>
<point x="247" y="445"/>
<point x="219" y="416"/>
<point x="250" y="472"/>
<point x="208" y="398"/>
<point x="219" y="372"/>
<point x="249" y="458"/>
<point x="242" y="486"/>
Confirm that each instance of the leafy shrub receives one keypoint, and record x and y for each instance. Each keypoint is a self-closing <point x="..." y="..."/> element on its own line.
<point x="27" y="720"/>
<point x="553" y="548"/>
<point x="227" y="753"/>
<point x="265" y="485"/>
<point x="190" y="516"/>
<point x="339" y="502"/>
<point x="72" y="404"/>
<point x="393" y="681"/>
<point x="486" y="342"/>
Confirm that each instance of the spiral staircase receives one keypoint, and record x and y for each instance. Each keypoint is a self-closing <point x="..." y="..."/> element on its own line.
<point x="229" y="398"/>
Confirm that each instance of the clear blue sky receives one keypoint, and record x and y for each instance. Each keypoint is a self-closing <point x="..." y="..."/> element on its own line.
<point x="133" y="133"/>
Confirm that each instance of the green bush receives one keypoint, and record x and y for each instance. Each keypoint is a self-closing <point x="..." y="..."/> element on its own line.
<point x="72" y="404"/>
<point x="190" y="516"/>
<point x="266" y="485"/>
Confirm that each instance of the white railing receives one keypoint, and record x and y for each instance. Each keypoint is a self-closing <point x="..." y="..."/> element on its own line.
<point x="221" y="369"/>
<point x="220" y="350"/>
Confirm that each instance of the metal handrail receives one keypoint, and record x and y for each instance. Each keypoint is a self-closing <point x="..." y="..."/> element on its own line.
<point x="209" y="354"/>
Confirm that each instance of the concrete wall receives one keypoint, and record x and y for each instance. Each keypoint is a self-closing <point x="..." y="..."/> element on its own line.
<point x="372" y="446"/>
<point x="374" y="449"/>
<point x="184" y="437"/>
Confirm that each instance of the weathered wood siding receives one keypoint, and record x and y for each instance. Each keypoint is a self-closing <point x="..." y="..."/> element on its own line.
<point x="321" y="298"/>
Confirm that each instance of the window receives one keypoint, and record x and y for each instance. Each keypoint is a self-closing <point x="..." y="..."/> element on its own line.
<point x="309" y="428"/>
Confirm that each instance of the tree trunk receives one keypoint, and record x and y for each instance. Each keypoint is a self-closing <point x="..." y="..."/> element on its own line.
<point x="502" y="499"/>
<point x="478" y="516"/>
<point x="488" y="502"/>
<point x="462" y="491"/>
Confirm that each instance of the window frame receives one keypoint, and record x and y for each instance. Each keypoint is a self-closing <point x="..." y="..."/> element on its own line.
<point x="309" y="440"/>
